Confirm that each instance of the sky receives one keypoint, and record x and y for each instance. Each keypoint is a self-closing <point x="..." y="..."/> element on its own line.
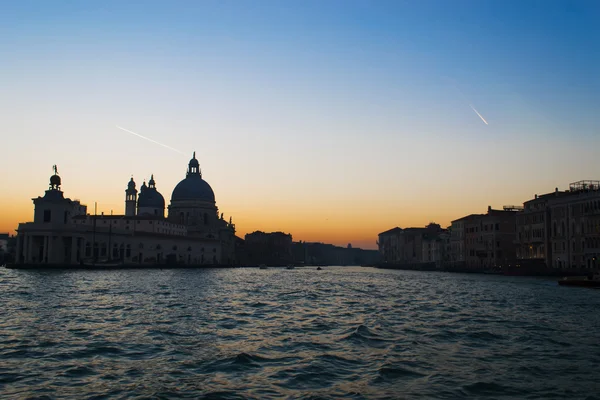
<point x="329" y="120"/>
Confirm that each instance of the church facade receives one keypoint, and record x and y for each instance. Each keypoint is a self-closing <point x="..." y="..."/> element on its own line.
<point x="192" y="233"/>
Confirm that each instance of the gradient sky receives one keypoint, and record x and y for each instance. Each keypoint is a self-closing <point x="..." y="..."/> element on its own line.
<point x="331" y="120"/>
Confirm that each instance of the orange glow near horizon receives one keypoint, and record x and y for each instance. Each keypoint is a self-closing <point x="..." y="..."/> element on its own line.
<point x="338" y="220"/>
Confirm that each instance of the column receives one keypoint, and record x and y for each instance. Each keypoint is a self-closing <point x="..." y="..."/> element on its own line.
<point x="73" y="250"/>
<point x="28" y="255"/>
<point x="19" y="249"/>
<point x="45" y="250"/>
<point x="49" y="253"/>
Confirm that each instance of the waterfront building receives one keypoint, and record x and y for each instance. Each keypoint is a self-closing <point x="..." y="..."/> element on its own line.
<point x="405" y="246"/>
<point x="4" y="242"/>
<point x="490" y="238"/>
<point x="4" y="238"/>
<point x="389" y="245"/>
<point x="315" y="253"/>
<point x="436" y="248"/>
<point x="64" y="233"/>
<point x="575" y="226"/>
<point x="533" y="240"/>
<point x="458" y="241"/>
<point x="271" y="248"/>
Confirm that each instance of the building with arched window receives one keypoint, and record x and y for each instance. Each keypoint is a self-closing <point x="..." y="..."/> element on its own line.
<point x="193" y="233"/>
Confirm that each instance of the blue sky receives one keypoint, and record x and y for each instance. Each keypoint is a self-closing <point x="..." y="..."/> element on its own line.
<point x="320" y="105"/>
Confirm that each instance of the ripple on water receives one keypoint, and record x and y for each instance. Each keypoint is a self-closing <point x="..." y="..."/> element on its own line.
<point x="344" y="333"/>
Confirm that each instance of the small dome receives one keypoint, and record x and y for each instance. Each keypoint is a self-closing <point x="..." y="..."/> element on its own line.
<point x="55" y="180"/>
<point x="131" y="184"/>
<point x="151" y="198"/>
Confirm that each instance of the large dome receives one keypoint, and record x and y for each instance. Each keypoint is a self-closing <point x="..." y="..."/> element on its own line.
<point x="193" y="187"/>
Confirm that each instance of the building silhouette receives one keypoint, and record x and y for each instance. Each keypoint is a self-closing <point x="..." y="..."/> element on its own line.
<point x="193" y="233"/>
<point x="272" y="248"/>
<point x="533" y="231"/>
<point x="490" y="238"/>
<point x="413" y="246"/>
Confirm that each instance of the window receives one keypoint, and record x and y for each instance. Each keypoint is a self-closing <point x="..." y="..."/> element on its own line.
<point x="47" y="215"/>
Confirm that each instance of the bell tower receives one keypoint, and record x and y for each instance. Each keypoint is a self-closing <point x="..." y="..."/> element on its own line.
<point x="130" y="199"/>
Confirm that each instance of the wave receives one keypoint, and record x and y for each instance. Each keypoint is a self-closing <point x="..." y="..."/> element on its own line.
<point x="244" y="361"/>
<point x="78" y="371"/>
<point x="491" y="388"/>
<point x="363" y="335"/>
<point x="392" y="372"/>
<point x="263" y="337"/>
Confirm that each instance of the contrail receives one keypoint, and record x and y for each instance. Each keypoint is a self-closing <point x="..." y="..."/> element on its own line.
<point x="483" y="119"/>
<point x="154" y="141"/>
<point x="453" y="83"/>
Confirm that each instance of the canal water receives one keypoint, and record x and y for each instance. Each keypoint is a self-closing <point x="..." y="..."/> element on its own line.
<point x="357" y="333"/>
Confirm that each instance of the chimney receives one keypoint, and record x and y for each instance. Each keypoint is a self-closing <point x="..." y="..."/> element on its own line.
<point x="489" y="208"/>
<point x="536" y="196"/>
<point x="555" y="190"/>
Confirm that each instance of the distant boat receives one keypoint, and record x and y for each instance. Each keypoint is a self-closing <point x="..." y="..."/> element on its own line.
<point x="290" y="267"/>
<point x="102" y="263"/>
<point x="262" y="266"/>
<point x="319" y="268"/>
<point x="493" y="272"/>
<point x="592" y="281"/>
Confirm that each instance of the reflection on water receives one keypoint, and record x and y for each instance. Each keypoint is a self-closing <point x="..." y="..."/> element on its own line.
<point x="336" y="333"/>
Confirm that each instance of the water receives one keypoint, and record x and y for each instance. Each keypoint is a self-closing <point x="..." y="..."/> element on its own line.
<point x="338" y="333"/>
